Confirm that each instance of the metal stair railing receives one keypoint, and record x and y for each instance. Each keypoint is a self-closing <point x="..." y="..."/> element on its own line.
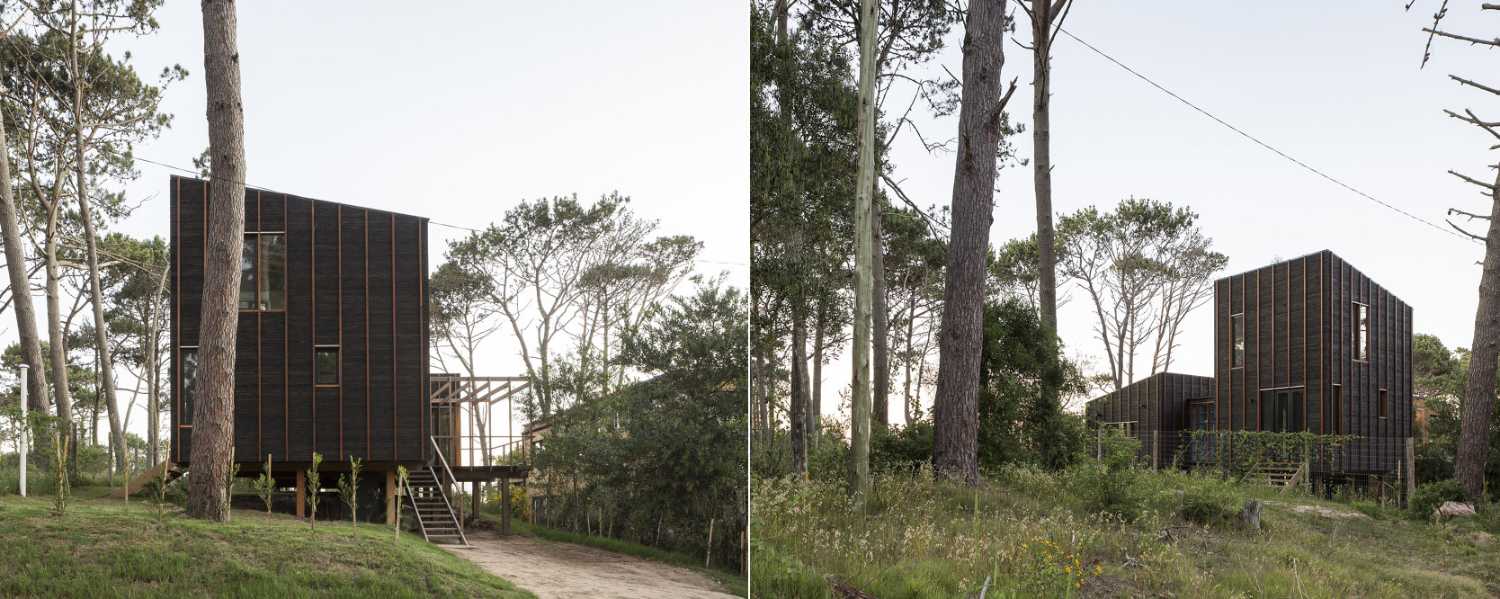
<point x="443" y="493"/>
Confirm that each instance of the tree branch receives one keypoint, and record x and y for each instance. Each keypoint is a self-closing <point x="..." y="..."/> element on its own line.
<point x="1482" y="86"/>
<point x="1462" y="38"/>
<point x="1469" y="179"/>
<point x="1461" y="230"/>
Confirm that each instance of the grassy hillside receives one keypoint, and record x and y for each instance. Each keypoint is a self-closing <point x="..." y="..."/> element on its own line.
<point x="106" y="548"/>
<point x="1087" y="533"/>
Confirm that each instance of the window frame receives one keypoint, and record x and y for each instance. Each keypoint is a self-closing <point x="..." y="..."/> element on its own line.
<point x="338" y="369"/>
<point x="185" y="417"/>
<point x="1362" y="332"/>
<point x="1237" y="341"/>
<point x="261" y="269"/>
<point x="1383" y="404"/>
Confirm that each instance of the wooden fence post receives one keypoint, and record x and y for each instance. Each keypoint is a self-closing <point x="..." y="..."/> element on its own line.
<point x="707" y="555"/>
<point x="505" y="505"/>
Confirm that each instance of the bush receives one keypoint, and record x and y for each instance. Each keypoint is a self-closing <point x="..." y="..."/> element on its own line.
<point x="1431" y="495"/>
<point x="1099" y="489"/>
<point x="1208" y="501"/>
<point x="901" y="450"/>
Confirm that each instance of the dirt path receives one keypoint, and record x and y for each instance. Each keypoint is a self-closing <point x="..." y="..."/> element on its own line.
<point x="552" y="569"/>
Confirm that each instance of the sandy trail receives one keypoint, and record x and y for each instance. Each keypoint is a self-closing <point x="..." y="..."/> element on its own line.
<point x="552" y="569"/>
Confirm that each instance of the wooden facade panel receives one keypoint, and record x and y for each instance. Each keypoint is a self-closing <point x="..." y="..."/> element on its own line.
<point x="273" y="381"/>
<point x="1221" y="347"/>
<point x="272" y="211"/>
<point x="299" y="330"/>
<point x="247" y="389"/>
<point x="326" y="427"/>
<point x="411" y="318"/>
<point x="355" y="368"/>
<point x="382" y="336"/>
<point x="325" y="275"/>
<point x="376" y="320"/>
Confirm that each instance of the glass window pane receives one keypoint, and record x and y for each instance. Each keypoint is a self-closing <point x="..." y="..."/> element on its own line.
<point x="1237" y="330"/>
<point x="273" y="271"/>
<point x="328" y="366"/>
<point x="247" y="274"/>
<point x="189" y="384"/>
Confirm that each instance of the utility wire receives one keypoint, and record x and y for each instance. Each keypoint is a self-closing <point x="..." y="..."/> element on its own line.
<point x="1257" y="141"/>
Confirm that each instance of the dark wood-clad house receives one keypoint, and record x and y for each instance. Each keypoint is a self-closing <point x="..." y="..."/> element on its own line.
<point x="332" y="345"/>
<point x="1312" y="344"/>
<point x="1156" y="410"/>
<point x="1308" y="344"/>
<point x="331" y="352"/>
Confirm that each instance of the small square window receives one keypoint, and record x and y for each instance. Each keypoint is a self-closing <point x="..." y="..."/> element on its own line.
<point x="327" y="361"/>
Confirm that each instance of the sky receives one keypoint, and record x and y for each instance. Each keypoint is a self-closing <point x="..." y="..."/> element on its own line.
<point x="1335" y="84"/>
<point x="461" y="114"/>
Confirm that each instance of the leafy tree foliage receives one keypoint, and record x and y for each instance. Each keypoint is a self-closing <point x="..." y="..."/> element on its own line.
<point x="655" y="461"/>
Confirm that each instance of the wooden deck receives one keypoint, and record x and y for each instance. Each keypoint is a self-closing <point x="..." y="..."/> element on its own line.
<point x="486" y="474"/>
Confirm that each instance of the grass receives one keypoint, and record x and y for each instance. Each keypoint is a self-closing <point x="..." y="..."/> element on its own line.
<point x="108" y="548"/>
<point x="1033" y="533"/>
<point x="733" y="583"/>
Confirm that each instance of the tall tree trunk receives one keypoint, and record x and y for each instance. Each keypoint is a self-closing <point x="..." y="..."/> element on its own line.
<point x="20" y="287"/>
<point x="797" y="411"/>
<point x="57" y="344"/>
<point x="820" y="345"/>
<point x="859" y="412"/>
<point x="1041" y="135"/>
<point x="911" y="320"/>
<point x="213" y="409"/>
<point x="104" y="362"/>
<point x="1479" y="390"/>
<point x="956" y="408"/>
<point x="882" y="321"/>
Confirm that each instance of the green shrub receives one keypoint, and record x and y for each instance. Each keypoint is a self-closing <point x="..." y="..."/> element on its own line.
<point x="1431" y="495"/>
<point x="1099" y="489"/>
<point x="1209" y="502"/>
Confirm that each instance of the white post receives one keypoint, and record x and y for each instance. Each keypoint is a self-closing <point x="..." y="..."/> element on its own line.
<point x="25" y="429"/>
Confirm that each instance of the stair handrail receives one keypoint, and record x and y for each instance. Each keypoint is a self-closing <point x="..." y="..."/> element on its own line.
<point x="416" y="511"/>
<point x="443" y="493"/>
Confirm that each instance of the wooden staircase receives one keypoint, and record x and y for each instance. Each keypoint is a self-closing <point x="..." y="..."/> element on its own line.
<point x="435" y="517"/>
<point x="1276" y="474"/>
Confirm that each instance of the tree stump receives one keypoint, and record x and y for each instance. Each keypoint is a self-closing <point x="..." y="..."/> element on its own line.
<point x="1251" y="514"/>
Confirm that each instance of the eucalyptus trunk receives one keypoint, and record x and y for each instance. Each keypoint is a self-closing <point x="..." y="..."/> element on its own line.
<point x="859" y="425"/>
<point x="213" y="409"/>
<point x="956" y="407"/>
<point x="20" y="287"/>
<point x="1479" y="390"/>
<point x="103" y="361"/>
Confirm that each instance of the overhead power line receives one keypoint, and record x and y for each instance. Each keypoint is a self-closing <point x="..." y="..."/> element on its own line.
<point x="1274" y="149"/>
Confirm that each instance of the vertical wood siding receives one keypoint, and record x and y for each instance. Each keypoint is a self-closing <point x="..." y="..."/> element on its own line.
<point x="355" y="278"/>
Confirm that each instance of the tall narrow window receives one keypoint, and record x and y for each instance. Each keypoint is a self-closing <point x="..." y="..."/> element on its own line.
<point x="272" y="271"/>
<point x="247" y="273"/>
<point x="1237" y="336"/>
<point x="1384" y="409"/>
<point x="1361" y="333"/>
<point x="189" y="385"/>
<point x="263" y="272"/>
<point x="326" y="360"/>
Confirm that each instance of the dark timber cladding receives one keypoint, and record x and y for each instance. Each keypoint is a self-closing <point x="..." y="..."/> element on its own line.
<point x="1153" y="410"/>
<point x="334" y="285"/>
<point x="1312" y="344"/>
